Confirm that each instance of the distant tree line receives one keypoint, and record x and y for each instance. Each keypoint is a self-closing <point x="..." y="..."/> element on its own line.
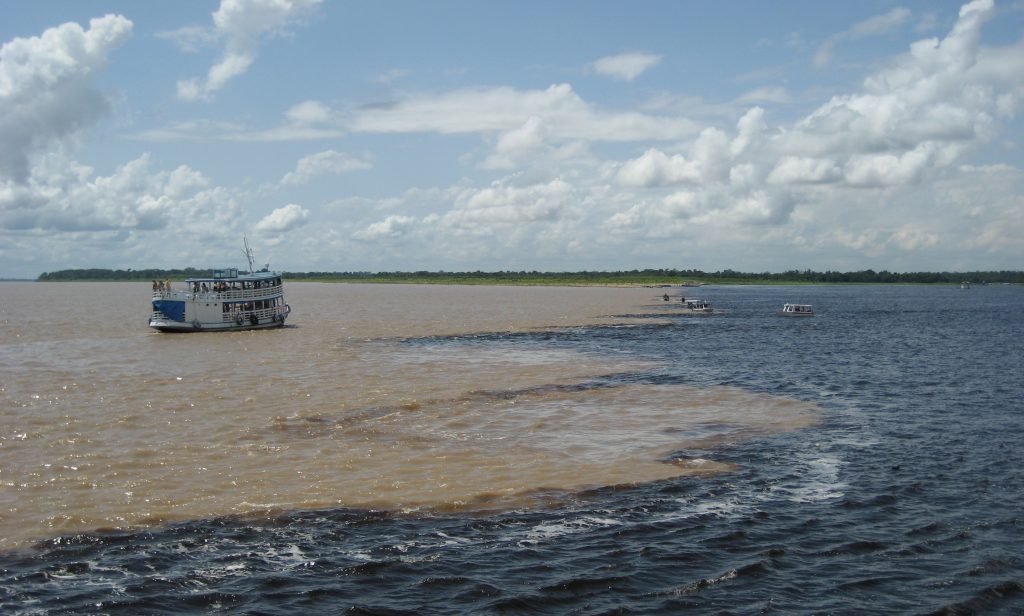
<point x="126" y="275"/>
<point x="645" y="276"/>
<point x="871" y="276"/>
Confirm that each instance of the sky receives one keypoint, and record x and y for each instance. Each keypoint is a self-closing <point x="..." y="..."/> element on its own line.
<point x="506" y="136"/>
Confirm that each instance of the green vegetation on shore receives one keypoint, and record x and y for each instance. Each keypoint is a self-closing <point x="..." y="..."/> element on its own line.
<point x="632" y="277"/>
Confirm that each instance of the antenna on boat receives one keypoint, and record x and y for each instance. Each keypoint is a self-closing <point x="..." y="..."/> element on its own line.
<point x="247" y="252"/>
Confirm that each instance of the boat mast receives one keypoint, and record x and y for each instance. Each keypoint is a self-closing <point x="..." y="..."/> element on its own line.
<point x="247" y="252"/>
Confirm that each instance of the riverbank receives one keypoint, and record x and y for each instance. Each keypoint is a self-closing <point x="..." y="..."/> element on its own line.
<point x="633" y="278"/>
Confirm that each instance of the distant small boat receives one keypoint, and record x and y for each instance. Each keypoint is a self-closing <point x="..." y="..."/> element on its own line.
<point x="699" y="306"/>
<point x="797" y="310"/>
<point x="965" y="285"/>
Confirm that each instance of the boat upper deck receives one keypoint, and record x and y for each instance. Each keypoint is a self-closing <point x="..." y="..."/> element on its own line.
<point x="231" y="275"/>
<point x="223" y="285"/>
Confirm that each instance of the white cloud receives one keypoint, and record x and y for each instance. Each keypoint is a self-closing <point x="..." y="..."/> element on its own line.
<point x="509" y="219"/>
<point x="706" y="163"/>
<point x="501" y="223"/>
<point x="740" y="201"/>
<point x="64" y="197"/>
<point x="564" y="114"/>
<point x="183" y="180"/>
<point x="799" y="170"/>
<point x="328" y="162"/>
<point x="921" y="112"/>
<point x="283" y="219"/>
<point x="551" y="116"/>
<point x="750" y="129"/>
<point x="766" y="94"/>
<point x="391" y="228"/>
<point x="505" y="207"/>
<point x="190" y="38"/>
<point x="528" y="146"/>
<point x="888" y="169"/>
<point x="627" y="66"/>
<point x="518" y="143"/>
<point x="308" y="112"/>
<point x="506" y="203"/>
<point x="241" y="24"/>
<point x="189" y="130"/>
<point x="863" y="241"/>
<point x="391" y="75"/>
<point x="306" y="121"/>
<point x="909" y="238"/>
<point x="880" y="24"/>
<point x="989" y="203"/>
<point x="47" y="88"/>
<point x="520" y="221"/>
<point x="135" y="217"/>
<point x="873" y="26"/>
<point x="655" y="168"/>
<point x="909" y="125"/>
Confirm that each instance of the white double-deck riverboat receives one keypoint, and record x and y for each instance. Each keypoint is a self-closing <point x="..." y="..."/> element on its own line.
<point x="226" y="300"/>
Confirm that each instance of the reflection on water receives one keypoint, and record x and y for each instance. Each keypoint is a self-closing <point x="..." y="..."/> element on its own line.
<point x="362" y="401"/>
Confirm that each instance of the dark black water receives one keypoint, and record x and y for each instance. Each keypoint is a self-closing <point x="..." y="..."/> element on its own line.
<point x="908" y="497"/>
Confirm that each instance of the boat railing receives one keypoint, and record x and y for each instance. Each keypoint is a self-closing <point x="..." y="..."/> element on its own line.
<point x="173" y="295"/>
<point x="220" y="296"/>
<point x="242" y="294"/>
<point x="261" y="314"/>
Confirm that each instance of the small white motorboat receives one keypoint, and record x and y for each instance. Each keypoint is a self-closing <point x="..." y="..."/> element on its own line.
<point x="698" y="306"/>
<point x="797" y="310"/>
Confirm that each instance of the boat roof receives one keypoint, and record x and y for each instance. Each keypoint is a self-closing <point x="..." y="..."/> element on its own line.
<point x="802" y="305"/>
<point x="232" y="273"/>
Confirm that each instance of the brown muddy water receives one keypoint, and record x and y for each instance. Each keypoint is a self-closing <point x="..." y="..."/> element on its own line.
<point x="105" y="423"/>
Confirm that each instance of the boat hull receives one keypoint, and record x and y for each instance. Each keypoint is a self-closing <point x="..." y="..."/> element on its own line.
<point x="168" y="325"/>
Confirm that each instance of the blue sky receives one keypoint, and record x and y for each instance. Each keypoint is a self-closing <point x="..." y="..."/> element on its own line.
<point x="557" y="136"/>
